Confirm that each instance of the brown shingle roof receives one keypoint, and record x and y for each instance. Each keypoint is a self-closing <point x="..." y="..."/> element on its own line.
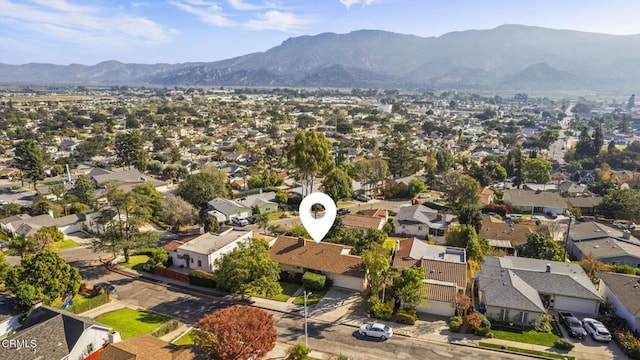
<point x="499" y="230"/>
<point x="438" y="292"/>
<point x="379" y="213"/>
<point x="323" y="256"/>
<point x="174" y="244"/>
<point x="146" y="347"/>
<point x="445" y="271"/>
<point x="363" y="222"/>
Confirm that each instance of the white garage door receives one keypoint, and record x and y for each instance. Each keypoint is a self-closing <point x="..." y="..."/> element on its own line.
<point x="581" y="306"/>
<point x="348" y="282"/>
<point x="436" y="308"/>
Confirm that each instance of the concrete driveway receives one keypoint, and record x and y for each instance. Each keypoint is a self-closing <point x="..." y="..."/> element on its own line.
<point x="593" y="350"/>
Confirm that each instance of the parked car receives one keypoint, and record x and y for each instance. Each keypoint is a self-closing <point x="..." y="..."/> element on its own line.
<point x="3" y="202"/>
<point x="239" y="221"/>
<point x="252" y="219"/>
<point x="596" y="329"/>
<point x="363" y="197"/>
<point x="424" y="196"/>
<point x="343" y="211"/>
<point x="378" y="330"/>
<point x="108" y="288"/>
<point x="573" y="325"/>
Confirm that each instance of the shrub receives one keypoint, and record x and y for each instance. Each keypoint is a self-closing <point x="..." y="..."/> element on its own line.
<point x="623" y="269"/>
<point x="455" y="323"/>
<point x="545" y="324"/>
<point x="563" y="344"/>
<point x="158" y="255"/>
<point x="474" y="320"/>
<point x="313" y="281"/>
<point x="292" y="277"/>
<point x="406" y="317"/>
<point x="379" y="310"/>
<point x="91" y="303"/>
<point x="202" y="278"/>
<point x="628" y="342"/>
<point x="166" y="328"/>
<point x="298" y="352"/>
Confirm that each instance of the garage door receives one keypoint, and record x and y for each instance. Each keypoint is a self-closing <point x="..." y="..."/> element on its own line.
<point x="436" y="308"/>
<point x="347" y="282"/>
<point x="580" y="306"/>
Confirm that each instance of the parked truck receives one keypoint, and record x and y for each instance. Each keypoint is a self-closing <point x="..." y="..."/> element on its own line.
<point x="572" y="324"/>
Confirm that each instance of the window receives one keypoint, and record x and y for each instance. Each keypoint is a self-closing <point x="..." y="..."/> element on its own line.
<point x="192" y="260"/>
<point x="523" y="317"/>
<point x="199" y="263"/>
<point x="504" y="314"/>
<point x="419" y="228"/>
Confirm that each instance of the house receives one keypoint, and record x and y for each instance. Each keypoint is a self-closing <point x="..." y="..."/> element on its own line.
<point x="506" y="236"/>
<point x="446" y="273"/>
<point x="124" y="179"/>
<point x="264" y="202"/>
<point x="583" y="177"/>
<point x="373" y="219"/>
<point x="535" y="201"/>
<point x="520" y="290"/>
<point x="586" y="205"/>
<point x="487" y="196"/>
<point x="298" y="255"/>
<point x="146" y="347"/>
<point x="622" y="291"/>
<point x="605" y="243"/>
<point x="422" y="221"/>
<point x="229" y="208"/>
<point x="26" y="225"/>
<point x="572" y="188"/>
<point x="49" y="333"/>
<point x="202" y="252"/>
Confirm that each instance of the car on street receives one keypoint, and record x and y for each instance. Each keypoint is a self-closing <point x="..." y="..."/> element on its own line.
<point x="424" y="196"/>
<point x="596" y="330"/>
<point x="363" y="197"/>
<point x="239" y="221"/>
<point x="343" y="211"/>
<point x="378" y="330"/>
<point x="108" y="288"/>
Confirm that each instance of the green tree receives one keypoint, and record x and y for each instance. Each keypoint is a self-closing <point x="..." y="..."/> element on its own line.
<point x="4" y="270"/>
<point x="45" y="238"/>
<point x="408" y="285"/>
<point x="177" y="212"/>
<point x="538" y="170"/>
<point x="129" y="150"/>
<point x="598" y="141"/>
<point x="298" y="352"/>
<point x="29" y="158"/>
<point x="282" y="197"/>
<point x="122" y="221"/>
<point x="465" y="236"/>
<point x="515" y="161"/>
<point x="462" y="190"/>
<point x="372" y="172"/>
<point x="48" y="276"/>
<point x="402" y="161"/>
<point x="539" y="246"/>
<point x="471" y="215"/>
<point x="444" y="160"/>
<point x="152" y="198"/>
<point x="249" y="269"/>
<point x="416" y="186"/>
<point x="85" y="191"/>
<point x="584" y="147"/>
<point x="376" y="263"/>
<point x="375" y="236"/>
<point x="211" y="224"/>
<point x="621" y="204"/>
<point x="310" y="155"/>
<point x="338" y="184"/>
<point x="198" y="189"/>
<point x="263" y="221"/>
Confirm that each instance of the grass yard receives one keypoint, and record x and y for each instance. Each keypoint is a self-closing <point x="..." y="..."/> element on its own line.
<point x="312" y="300"/>
<point x="527" y="351"/>
<point x="288" y="289"/>
<point x="4" y="237"/>
<point x="136" y="262"/>
<point x="529" y="337"/>
<point x="77" y="300"/>
<point x="66" y="244"/>
<point x="184" y="339"/>
<point x="273" y="216"/>
<point x="131" y="323"/>
<point x="344" y="203"/>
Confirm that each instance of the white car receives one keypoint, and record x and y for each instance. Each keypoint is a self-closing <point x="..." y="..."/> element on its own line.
<point x="378" y="330"/>
<point x="424" y="196"/>
<point x="596" y="329"/>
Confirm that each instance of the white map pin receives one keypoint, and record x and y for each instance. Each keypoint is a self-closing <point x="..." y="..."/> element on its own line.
<point x="317" y="228"/>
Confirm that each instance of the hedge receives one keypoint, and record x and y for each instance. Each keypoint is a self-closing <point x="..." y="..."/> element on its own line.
<point x="202" y="278"/>
<point x="313" y="281"/>
<point x="166" y="328"/>
<point x="406" y="317"/>
<point x="379" y="310"/>
<point x="563" y="344"/>
<point x="455" y="323"/>
<point x="292" y="277"/>
<point x="91" y="303"/>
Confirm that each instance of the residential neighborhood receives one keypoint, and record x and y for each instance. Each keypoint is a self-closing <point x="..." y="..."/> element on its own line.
<point x="139" y="220"/>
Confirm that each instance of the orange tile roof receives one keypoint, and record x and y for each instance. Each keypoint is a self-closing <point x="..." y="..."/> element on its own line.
<point x="377" y="213"/>
<point x="323" y="256"/>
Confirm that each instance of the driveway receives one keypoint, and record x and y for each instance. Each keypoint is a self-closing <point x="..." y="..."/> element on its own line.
<point x="593" y="350"/>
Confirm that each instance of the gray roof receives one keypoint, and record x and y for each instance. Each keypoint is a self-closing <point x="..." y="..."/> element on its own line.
<point x="130" y="176"/>
<point x="209" y="243"/>
<point x="626" y="288"/>
<point x="525" y="198"/>
<point x="258" y="199"/>
<point x="584" y="201"/>
<point x="226" y="206"/>
<point x="420" y="214"/>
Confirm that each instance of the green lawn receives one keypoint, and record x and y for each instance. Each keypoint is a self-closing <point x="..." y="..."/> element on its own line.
<point x="66" y="244"/>
<point x="77" y="299"/>
<point x="287" y="291"/>
<point x="131" y="323"/>
<point x="136" y="262"/>
<point x="313" y="299"/>
<point x="184" y="339"/>
<point x="4" y="236"/>
<point x="276" y="215"/>
<point x="529" y="337"/>
<point x="344" y="203"/>
<point x="527" y="351"/>
<point x="389" y="244"/>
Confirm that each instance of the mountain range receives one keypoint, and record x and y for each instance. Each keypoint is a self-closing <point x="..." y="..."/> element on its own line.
<point x="509" y="57"/>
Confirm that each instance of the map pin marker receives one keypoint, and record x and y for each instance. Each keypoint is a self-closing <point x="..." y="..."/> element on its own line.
<point x="317" y="228"/>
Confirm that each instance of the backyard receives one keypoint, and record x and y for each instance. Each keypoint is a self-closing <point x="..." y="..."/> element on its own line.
<point x="131" y="323"/>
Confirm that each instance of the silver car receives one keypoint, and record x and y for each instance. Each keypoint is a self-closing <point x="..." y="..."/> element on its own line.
<point x="378" y="330"/>
<point x="596" y="329"/>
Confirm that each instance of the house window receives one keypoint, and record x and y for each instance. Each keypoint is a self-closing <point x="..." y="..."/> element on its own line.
<point x="504" y="314"/>
<point x="523" y="317"/>
<point x="199" y="263"/>
<point x="192" y="260"/>
<point x="419" y="228"/>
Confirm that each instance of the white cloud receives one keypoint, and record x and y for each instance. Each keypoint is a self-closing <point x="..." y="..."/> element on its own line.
<point x="241" y="5"/>
<point x="349" y="3"/>
<point x="207" y="12"/>
<point x="276" y="20"/>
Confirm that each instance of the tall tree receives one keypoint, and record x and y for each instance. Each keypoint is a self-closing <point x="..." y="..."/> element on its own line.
<point x="249" y="268"/>
<point x="376" y="264"/>
<point x="200" y="188"/>
<point x="29" y="158"/>
<point x="408" y="285"/>
<point x="444" y="160"/>
<point x="584" y="147"/>
<point x="49" y="275"/>
<point x="4" y="270"/>
<point x="471" y="215"/>
<point x="598" y="141"/>
<point x="85" y="191"/>
<point x="236" y="333"/>
<point x="539" y="246"/>
<point x="416" y="186"/>
<point x="122" y="222"/>
<point x="310" y="155"/>
<point x="538" y="170"/>
<point x="621" y="204"/>
<point x="465" y="236"/>
<point x="129" y="150"/>
<point x="45" y="238"/>
<point x="462" y="190"/>
<point x="402" y="161"/>
<point x="515" y="160"/>
<point x="338" y="184"/>
<point x="177" y="212"/>
<point x="372" y="172"/>
<point x="151" y="197"/>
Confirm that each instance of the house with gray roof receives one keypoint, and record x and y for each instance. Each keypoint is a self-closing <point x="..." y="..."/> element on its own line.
<point x="586" y="204"/>
<point x="622" y="291"/>
<point x="605" y="243"/>
<point x="519" y="290"/>
<point x="49" y="333"/>
<point x="124" y="179"/>
<point x="229" y="208"/>
<point x="264" y="202"/>
<point x="26" y="225"/>
<point x="535" y="201"/>
<point x="422" y="221"/>
<point x="202" y="252"/>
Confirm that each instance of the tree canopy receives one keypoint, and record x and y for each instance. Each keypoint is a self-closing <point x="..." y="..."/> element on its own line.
<point x="462" y="190"/>
<point x="537" y="169"/>
<point x="376" y="263"/>
<point x="310" y="155"/>
<point x="408" y="285"/>
<point x="540" y="247"/>
<point x="198" y="189"/>
<point x="338" y="184"/>
<point x="29" y="158"/>
<point x="177" y="212"/>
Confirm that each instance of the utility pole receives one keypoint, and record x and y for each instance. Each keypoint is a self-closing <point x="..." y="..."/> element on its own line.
<point x="566" y="237"/>
<point x="306" y="333"/>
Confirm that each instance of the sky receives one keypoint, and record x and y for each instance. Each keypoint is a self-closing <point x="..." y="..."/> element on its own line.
<point x="174" y="31"/>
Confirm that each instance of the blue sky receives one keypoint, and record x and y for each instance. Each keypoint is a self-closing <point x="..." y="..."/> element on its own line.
<point x="172" y="31"/>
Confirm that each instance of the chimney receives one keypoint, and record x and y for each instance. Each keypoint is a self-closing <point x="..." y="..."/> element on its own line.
<point x="397" y="245"/>
<point x="548" y="268"/>
<point x="301" y="241"/>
